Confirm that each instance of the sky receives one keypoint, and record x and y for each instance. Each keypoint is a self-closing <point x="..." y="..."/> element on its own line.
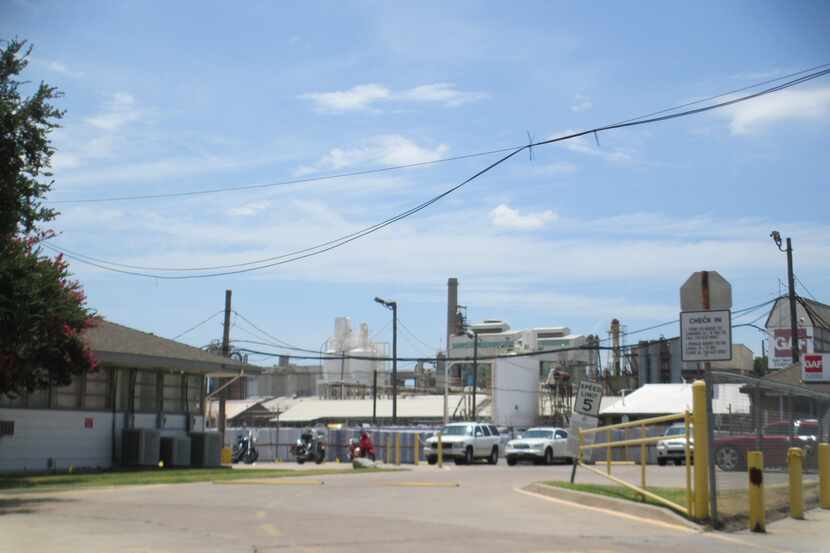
<point x="191" y="96"/>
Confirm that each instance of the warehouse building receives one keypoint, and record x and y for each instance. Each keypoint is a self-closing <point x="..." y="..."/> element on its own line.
<point x="143" y="381"/>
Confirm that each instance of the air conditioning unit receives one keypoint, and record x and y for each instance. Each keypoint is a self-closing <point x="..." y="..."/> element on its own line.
<point x="205" y="449"/>
<point x="140" y="447"/>
<point x="175" y="452"/>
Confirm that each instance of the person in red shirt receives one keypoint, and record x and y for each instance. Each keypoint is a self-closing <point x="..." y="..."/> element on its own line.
<point x="367" y="448"/>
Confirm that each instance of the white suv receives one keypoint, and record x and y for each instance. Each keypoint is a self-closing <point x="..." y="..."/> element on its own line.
<point x="540" y="445"/>
<point x="465" y="442"/>
<point x="673" y="448"/>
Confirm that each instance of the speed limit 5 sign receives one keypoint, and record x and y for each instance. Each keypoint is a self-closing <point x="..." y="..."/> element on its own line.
<point x="588" y="398"/>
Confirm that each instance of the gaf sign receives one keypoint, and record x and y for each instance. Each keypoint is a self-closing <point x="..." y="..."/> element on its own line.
<point x="816" y="368"/>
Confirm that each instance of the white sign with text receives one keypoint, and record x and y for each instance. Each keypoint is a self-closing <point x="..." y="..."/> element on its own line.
<point x="706" y="335"/>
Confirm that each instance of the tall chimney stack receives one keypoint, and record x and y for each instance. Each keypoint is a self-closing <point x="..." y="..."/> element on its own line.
<point x="452" y="309"/>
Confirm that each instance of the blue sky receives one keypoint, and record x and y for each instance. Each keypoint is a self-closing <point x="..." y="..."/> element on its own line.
<point x="165" y="97"/>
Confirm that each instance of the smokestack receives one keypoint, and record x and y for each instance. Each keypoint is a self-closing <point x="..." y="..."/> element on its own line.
<point x="615" y="344"/>
<point x="452" y="309"/>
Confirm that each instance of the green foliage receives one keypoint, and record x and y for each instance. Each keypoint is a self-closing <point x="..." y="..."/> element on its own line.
<point x="42" y="311"/>
<point x="760" y="366"/>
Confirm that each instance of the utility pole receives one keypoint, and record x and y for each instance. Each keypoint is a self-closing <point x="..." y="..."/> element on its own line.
<point x="394" y="362"/>
<point x="794" y="346"/>
<point x="393" y="305"/>
<point x="793" y="320"/>
<point x="226" y="352"/>
<point x="374" y="397"/>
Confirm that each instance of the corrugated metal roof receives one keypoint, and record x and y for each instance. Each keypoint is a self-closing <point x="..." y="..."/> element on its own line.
<point x="665" y="399"/>
<point x="411" y="407"/>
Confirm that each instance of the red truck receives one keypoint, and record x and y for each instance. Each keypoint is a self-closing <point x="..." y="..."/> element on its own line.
<point x="776" y="438"/>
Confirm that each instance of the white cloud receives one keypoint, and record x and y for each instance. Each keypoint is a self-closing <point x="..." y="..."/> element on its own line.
<point x="385" y="149"/>
<point x="503" y="216"/>
<point x="356" y="98"/>
<point x="788" y="105"/>
<point x="555" y="168"/>
<point x="249" y="209"/>
<point x="120" y="110"/>
<point x="444" y="93"/>
<point x="588" y="145"/>
<point x="582" y="103"/>
<point x="366" y="96"/>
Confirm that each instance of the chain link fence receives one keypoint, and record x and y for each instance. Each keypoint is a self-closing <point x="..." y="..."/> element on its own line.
<point x="752" y="414"/>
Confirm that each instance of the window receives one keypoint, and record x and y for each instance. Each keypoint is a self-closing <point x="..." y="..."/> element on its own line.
<point x="194" y="393"/>
<point x="493" y="430"/>
<point x="145" y="393"/>
<point x="478" y="431"/>
<point x="561" y="434"/>
<point x="486" y="431"/>
<point x="172" y="393"/>
<point x="97" y="390"/>
<point x="465" y="430"/>
<point x="68" y="397"/>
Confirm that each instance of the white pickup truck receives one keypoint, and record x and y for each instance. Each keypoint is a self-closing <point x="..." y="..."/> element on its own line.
<point x="465" y="442"/>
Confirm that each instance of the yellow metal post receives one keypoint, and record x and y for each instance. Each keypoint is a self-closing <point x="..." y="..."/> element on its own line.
<point x="757" y="509"/>
<point x="608" y="452"/>
<point x="643" y="458"/>
<point x="795" y="458"/>
<point x="440" y="451"/>
<point x="389" y="449"/>
<point x="688" y="454"/>
<point x="824" y="475"/>
<point x="701" y="433"/>
<point x="226" y="456"/>
<point x="417" y="451"/>
<point x="397" y="448"/>
<point x="581" y="442"/>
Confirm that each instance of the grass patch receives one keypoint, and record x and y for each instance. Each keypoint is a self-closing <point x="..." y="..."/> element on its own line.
<point x="676" y="495"/>
<point x="45" y="482"/>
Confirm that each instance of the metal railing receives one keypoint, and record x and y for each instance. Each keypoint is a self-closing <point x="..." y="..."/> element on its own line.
<point x="643" y="441"/>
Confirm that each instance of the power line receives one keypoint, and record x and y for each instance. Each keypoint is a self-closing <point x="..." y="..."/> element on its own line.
<point x="417" y="164"/>
<point x="343" y="240"/>
<point x="805" y="288"/>
<point x="194" y="327"/>
<point x="302" y="180"/>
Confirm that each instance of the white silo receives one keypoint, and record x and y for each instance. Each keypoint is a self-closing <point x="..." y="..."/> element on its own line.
<point x="515" y="396"/>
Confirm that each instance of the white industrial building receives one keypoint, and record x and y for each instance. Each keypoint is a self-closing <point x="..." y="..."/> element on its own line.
<point x="347" y="342"/>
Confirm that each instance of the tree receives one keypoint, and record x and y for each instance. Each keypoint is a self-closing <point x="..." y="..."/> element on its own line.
<point x="42" y="310"/>
<point x="760" y="366"/>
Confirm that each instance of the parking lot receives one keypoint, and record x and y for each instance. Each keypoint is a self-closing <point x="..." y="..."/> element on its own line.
<point x="468" y="508"/>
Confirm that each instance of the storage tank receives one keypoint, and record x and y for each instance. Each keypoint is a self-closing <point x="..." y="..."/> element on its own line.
<point x="515" y="397"/>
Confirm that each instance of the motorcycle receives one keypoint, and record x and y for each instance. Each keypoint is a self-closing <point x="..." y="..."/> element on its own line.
<point x="356" y="451"/>
<point x="310" y="446"/>
<point x="244" y="450"/>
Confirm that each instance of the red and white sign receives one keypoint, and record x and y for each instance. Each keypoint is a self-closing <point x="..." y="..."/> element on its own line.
<point x="89" y="422"/>
<point x="816" y="368"/>
<point x="780" y="346"/>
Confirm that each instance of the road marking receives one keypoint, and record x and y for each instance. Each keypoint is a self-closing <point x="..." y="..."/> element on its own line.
<point x="270" y="529"/>
<point x="421" y="485"/>
<point x="260" y="515"/>
<point x="736" y="541"/>
<point x="272" y="482"/>
<point x="610" y="512"/>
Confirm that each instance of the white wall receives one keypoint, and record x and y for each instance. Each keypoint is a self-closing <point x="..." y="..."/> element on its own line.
<point x="41" y="435"/>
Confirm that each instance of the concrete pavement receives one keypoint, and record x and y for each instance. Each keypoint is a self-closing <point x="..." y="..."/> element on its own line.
<point x="478" y="508"/>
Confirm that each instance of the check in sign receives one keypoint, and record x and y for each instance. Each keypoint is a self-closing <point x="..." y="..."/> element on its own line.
<point x="706" y="335"/>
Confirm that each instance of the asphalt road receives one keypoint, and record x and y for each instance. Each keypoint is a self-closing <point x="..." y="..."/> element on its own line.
<point x="478" y="508"/>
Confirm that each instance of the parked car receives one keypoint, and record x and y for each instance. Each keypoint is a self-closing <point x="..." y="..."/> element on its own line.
<point x="775" y="440"/>
<point x="540" y="445"/>
<point x="674" y="448"/>
<point x="465" y="442"/>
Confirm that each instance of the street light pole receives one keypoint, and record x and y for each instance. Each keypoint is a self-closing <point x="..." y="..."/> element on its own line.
<point x="794" y="346"/>
<point x="393" y="305"/>
<point x="475" y="372"/>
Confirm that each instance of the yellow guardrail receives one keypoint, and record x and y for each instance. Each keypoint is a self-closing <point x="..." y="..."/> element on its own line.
<point x="642" y="441"/>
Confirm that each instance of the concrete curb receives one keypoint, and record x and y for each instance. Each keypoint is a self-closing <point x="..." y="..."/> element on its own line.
<point x="643" y="510"/>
